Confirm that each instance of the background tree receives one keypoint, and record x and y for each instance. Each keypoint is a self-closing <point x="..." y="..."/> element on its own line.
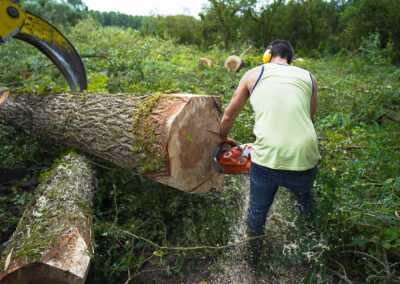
<point x="58" y="14"/>
<point x="227" y="12"/>
<point x="185" y="29"/>
<point x="261" y="23"/>
<point x="118" y="19"/>
<point x="365" y="17"/>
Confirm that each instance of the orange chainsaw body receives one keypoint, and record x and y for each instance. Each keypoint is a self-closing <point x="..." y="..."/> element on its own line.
<point x="231" y="158"/>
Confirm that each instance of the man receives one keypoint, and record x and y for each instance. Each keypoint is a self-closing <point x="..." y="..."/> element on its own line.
<point x="284" y="99"/>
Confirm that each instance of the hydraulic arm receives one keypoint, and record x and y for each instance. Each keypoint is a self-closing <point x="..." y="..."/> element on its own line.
<point x="23" y="25"/>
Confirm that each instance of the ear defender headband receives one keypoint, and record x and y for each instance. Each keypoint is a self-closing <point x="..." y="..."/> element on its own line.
<point x="268" y="55"/>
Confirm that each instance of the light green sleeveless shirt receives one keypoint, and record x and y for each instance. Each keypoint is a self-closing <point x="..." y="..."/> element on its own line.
<point x="285" y="134"/>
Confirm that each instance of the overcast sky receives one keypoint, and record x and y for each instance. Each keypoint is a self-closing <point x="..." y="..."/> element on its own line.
<point x="147" y="7"/>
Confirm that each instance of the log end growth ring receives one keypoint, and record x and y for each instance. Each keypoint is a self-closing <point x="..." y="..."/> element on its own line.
<point x="191" y="146"/>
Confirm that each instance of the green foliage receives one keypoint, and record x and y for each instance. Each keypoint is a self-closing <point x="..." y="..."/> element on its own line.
<point x="97" y="83"/>
<point x="365" y="17"/>
<point x="227" y="19"/>
<point x="163" y="215"/>
<point x="372" y="52"/>
<point x="313" y="26"/>
<point x="20" y="149"/>
<point x="118" y="19"/>
<point x="31" y="68"/>
<point x="185" y="29"/>
<point x="356" y="190"/>
<point x="62" y="14"/>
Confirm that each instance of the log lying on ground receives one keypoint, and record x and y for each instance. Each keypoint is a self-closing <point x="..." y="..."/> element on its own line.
<point x="233" y="63"/>
<point x="170" y="138"/>
<point x="52" y="241"/>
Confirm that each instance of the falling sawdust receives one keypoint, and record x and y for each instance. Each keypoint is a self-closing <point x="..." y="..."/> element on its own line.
<point x="236" y="270"/>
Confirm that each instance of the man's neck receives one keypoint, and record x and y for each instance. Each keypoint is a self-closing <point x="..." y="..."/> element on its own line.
<point x="279" y="60"/>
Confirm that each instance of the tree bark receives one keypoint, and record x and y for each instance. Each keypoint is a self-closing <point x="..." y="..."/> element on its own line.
<point x="170" y="138"/>
<point x="52" y="242"/>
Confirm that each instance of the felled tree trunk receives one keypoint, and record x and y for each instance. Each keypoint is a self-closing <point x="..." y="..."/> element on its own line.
<point x="52" y="241"/>
<point x="170" y="138"/>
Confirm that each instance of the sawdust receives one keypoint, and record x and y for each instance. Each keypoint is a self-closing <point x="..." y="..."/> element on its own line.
<point x="236" y="270"/>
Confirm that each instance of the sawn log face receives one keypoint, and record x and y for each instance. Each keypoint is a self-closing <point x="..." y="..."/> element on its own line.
<point x="170" y="138"/>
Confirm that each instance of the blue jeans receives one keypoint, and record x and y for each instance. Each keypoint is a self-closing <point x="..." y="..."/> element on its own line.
<point x="264" y="183"/>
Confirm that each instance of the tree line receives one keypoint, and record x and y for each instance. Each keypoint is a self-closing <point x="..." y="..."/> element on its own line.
<point x="68" y="13"/>
<point x="313" y="26"/>
<point x="321" y="26"/>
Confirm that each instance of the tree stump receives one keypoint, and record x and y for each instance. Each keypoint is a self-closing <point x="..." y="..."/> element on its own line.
<point x="233" y="63"/>
<point x="204" y="62"/>
<point x="52" y="242"/>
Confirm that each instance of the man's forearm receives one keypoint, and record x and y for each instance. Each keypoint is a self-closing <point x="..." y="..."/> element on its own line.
<point x="237" y="103"/>
<point x="225" y="128"/>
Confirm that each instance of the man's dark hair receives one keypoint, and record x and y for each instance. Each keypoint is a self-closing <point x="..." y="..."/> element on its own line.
<point x="282" y="48"/>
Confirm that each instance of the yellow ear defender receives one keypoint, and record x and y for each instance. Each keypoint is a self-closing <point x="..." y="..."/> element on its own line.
<point x="268" y="55"/>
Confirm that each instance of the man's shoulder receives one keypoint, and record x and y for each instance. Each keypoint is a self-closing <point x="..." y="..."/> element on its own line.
<point x="300" y="69"/>
<point x="250" y="77"/>
<point x="256" y="69"/>
<point x="253" y="73"/>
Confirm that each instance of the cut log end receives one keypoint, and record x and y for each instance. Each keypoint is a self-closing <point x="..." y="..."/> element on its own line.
<point x="233" y="63"/>
<point x="193" y="133"/>
<point x="41" y="273"/>
<point x="3" y="97"/>
<point x="204" y="62"/>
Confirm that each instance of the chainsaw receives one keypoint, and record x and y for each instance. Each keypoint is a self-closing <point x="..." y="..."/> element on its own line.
<point x="18" y="23"/>
<point x="232" y="158"/>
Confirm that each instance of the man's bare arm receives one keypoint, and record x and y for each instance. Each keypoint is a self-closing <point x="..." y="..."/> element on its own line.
<point x="313" y="104"/>
<point x="237" y="103"/>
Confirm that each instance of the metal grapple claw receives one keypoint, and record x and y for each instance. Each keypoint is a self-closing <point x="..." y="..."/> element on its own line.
<point x="23" y="25"/>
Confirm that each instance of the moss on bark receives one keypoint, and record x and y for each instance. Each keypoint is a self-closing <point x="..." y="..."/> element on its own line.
<point x="151" y="156"/>
<point x="61" y="203"/>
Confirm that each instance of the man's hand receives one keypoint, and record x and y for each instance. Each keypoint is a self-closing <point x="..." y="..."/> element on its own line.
<point x="224" y="140"/>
